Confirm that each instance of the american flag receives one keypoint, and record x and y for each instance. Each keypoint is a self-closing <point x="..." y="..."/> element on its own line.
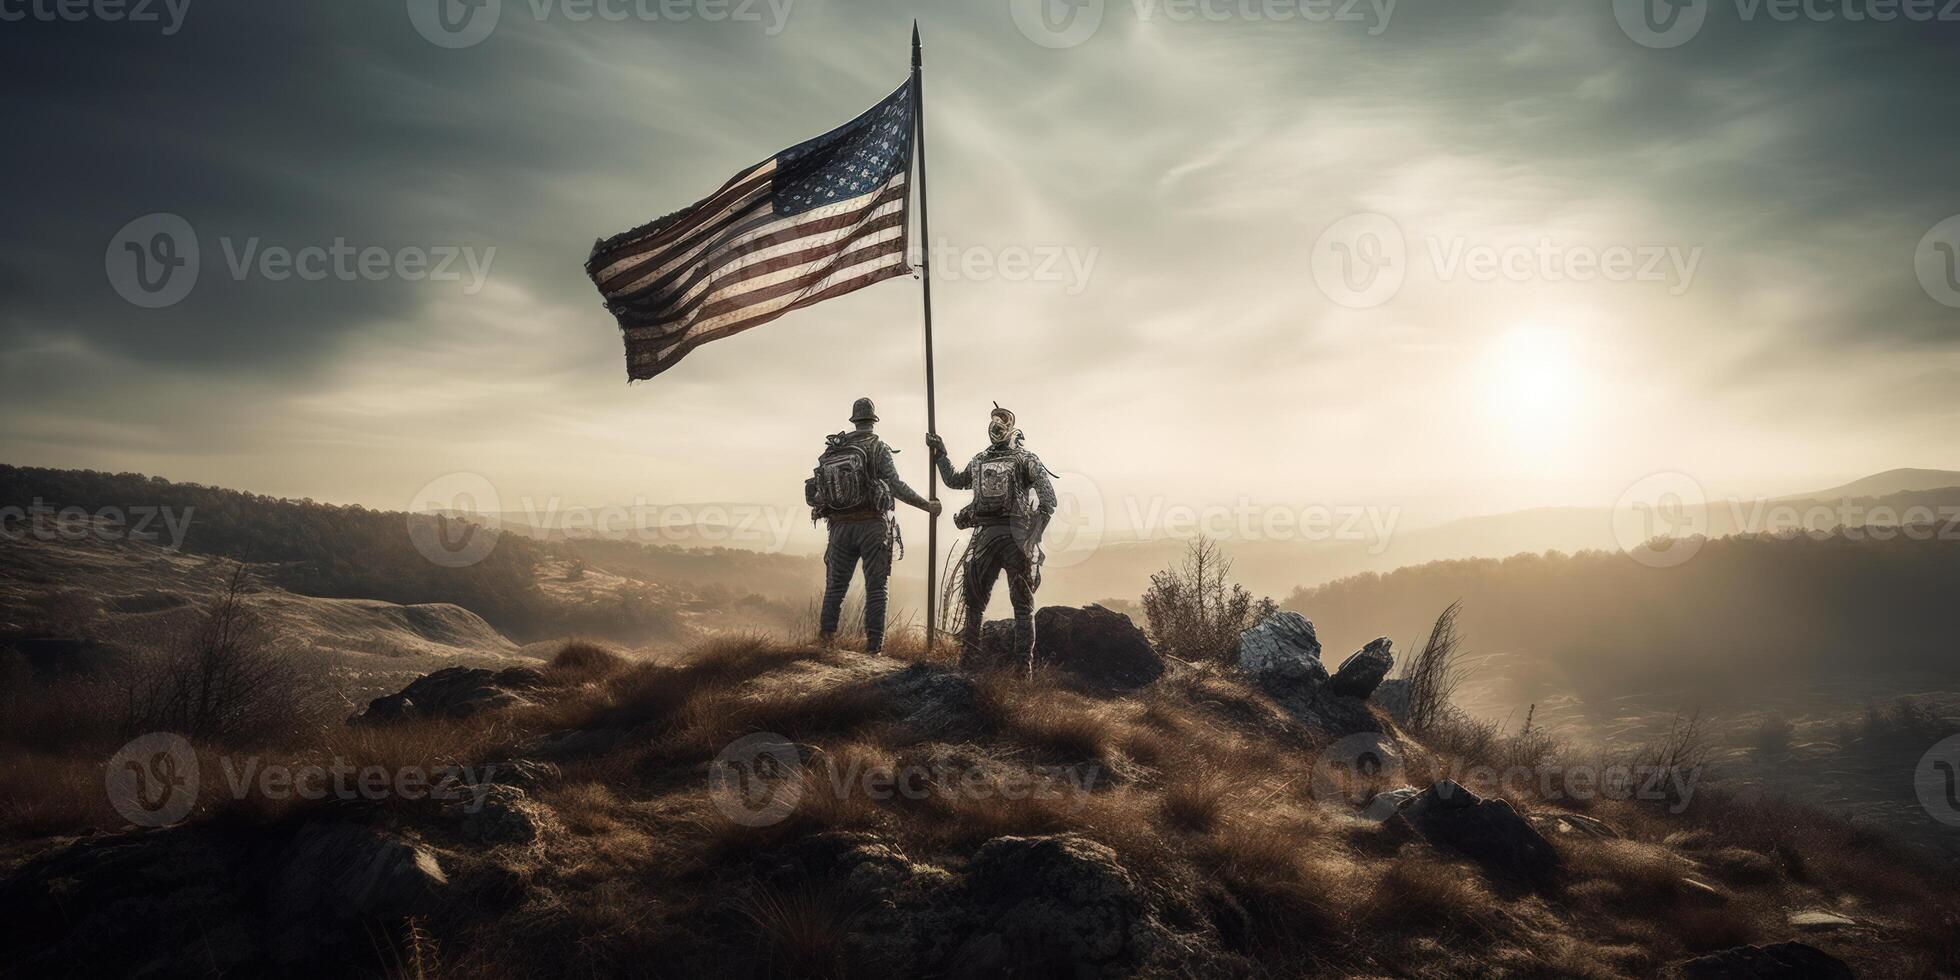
<point x="820" y="219"/>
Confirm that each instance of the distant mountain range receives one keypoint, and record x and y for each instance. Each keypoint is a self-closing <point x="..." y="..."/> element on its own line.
<point x="1277" y="566"/>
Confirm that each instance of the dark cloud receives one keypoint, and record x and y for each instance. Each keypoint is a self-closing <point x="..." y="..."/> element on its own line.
<point x="1806" y="158"/>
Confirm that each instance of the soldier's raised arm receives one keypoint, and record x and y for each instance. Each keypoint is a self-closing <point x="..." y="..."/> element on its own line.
<point x="954" y="479"/>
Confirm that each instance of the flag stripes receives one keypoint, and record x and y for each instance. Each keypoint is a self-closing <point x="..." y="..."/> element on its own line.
<point x="816" y="221"/>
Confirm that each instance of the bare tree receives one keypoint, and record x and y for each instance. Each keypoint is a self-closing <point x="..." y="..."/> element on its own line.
<point x="218" y="678"/>
<point x="1434" y="672"/>
<point x="1195" y="612"/>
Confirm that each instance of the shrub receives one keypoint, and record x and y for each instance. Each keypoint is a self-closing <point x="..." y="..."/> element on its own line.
<point x="1195" y="613"/>
<point x="219" y="680"/>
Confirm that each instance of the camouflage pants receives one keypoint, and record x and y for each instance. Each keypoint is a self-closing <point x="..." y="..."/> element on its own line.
<point x="850" y="543"/>
<point x="996" y="548"/>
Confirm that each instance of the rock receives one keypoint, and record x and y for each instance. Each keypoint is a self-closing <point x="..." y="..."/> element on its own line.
<point x="452" y="692"/>
<point x="933" y="702"/>
<point x="1094" y="649"/>
<point x="1059" y="905"/>
<point x="1384" y="804"/>
<point x="1363" y="671"/>
<point x="1489" y="831"/>
<point x="1575" y="824"/>
<point x="525" y="774"/>
<point x="353" y="872"/>
<point x="494" y="813"/>
<point x="1776" y="961"/>
<point x="347" y="873"/>
<point x="1819" y="920"/>
<point x="1281" y="656"/>
<point x="1393" y="697"/>
<point x="1282" y="651"/>
<point x="150" y="903"/>
<point x="905" y="923"/>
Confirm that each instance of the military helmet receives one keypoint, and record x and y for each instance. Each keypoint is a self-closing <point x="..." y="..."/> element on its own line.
<point x="863" y="411"/>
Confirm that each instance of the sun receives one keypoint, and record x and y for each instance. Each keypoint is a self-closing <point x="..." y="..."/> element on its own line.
<point x="1534" y="386"/>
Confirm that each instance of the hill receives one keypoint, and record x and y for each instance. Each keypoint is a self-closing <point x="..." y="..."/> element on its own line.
<point x="1386" y="542"/>
<point x="527" y="589"/>
<point x="762" y="809"/>
<point x="1902" y="480"/>
<point x="1748" y="615"/>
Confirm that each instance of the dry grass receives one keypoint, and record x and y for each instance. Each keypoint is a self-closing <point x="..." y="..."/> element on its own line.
<point x="801" y="932"/>
<point x="1434" y="672"/>
<point x="1055" y="724"/>
<point x="1185" y="782"/>
<point x="582" y="661"/>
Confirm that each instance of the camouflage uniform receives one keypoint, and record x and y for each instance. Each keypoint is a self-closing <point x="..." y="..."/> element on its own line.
<point x="1004" y="541"/>
<point x="864" y="535"/>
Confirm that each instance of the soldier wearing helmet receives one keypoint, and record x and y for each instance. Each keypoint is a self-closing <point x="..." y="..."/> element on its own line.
<point x="852" y="490"/>
<point x="1006" y="528"/>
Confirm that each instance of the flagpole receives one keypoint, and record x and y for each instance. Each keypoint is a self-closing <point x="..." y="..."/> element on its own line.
<point x="925" y="269"/>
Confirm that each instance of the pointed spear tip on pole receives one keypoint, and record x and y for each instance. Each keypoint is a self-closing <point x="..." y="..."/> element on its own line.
<point x="915" y="43"/>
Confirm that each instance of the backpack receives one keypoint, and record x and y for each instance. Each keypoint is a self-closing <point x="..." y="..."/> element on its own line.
<point x="1000" y="488"/>
<point x="843" y="479"/>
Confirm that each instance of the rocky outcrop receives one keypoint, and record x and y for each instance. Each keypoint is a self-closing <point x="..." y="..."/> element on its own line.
<point x="1775" y="961"/>
<point x="453" y="692"/>
<point x="933" y="702"/>
<point x="1093" y="649"/>
<point x="130" y="905"/>
<point x="1363" y="671"/>
<point x="347" y="873"/>
<point x="1392" y="696"/>
<point x="495" y="813"/>
<point x="1281" y="656"/>
<point x="1058" y="905"/>
<point x="1384" y="804"/>
<point x="1052" y="905"/>
<point x="906" y="920"/>
<point x="1282" y="651"/>
<point x="1487" y="831"/>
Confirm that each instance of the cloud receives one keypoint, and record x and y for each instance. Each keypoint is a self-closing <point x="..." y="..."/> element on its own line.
<point x="1199" y="161"/>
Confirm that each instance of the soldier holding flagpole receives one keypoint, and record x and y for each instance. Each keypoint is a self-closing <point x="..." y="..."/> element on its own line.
<point x="828" y="216"/>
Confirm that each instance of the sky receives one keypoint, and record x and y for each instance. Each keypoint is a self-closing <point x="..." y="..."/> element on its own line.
<point x="1448" y="257"/>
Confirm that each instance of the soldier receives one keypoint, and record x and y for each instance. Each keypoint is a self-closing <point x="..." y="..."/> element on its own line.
<point x="852" y="490"/>
<point x="1007" y="535"/>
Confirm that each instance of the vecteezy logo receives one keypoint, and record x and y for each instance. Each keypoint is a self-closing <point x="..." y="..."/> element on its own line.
<point x="1662" y="519"/>
<point x="1937" y="262"/>
<point x="757" y="780"/>
<point x="152" y="262"/>
<point x="455" y="520"/>
<point x="152" y="781"/>
<point x="1057" y="23"/>
<point x="454" y="23"/>
<point x="1661" y="23"/>
<point x="1360" y="260"/>
<point x="1354" y="767"/>
<point x="1937" y="781"/>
